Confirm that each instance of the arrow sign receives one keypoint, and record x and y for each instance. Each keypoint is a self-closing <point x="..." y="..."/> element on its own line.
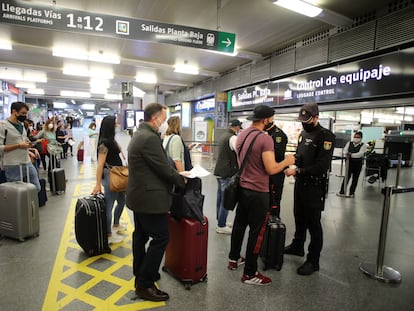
<point x="52" y="17"/>
<point x="226" y="42"/>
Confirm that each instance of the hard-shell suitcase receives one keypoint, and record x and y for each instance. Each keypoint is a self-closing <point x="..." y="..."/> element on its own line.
<point x="19" y="209"/>
<point x="273" y="244"/>
<point x="42" y="193"/>
<point x="80" y="155"/>
<point x="90" y="225"/>
<point x="57" y="178"/>
<point x="186" y="253"/>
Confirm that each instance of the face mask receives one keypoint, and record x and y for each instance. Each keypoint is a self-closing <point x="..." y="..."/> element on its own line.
<point x="30" y="128"/>
<point x="308" y="127"/>
<point x="117" y="130"/>
<point x="163" y="128"/>
<point x="268" y="126"/>
<point x="50" y="126"/>
<point x="357" y="140"/>
<point x="21" y="118"/>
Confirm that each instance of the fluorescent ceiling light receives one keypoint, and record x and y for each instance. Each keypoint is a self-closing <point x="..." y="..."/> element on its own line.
<point x="99" y="83"/>
<point x="36" y="91"/>
<point x="137" y="92"/>
<point x="98" y="90"/>
<point x="85" y="55"/>
<point x="75" y="94"/>
<point x="34" y="76"/>
<point x="60" y="105"/>
<point x="84" y="71"/>
<point x="88" y="106"/>
<point x="187" y="69"/>
<point x="25" y="85"/>
<point x="11" y="74"/>
<point x="146" y="78"/>
<point x="300" y="7"/>
<point x="5" y="45"/>
<point x="113" y="97"/>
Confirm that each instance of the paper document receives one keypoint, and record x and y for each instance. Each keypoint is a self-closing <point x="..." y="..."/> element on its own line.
<point x="197" y="171"/>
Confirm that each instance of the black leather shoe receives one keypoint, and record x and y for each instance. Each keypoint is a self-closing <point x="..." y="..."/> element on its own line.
<point x="307" y="268"/>
<point x="151" y="294"/>
<point x="293" y="250"/>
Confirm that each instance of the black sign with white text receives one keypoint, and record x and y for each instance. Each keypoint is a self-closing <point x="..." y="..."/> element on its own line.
<point x="390" y="74"/>
<point x="63" y="19"/>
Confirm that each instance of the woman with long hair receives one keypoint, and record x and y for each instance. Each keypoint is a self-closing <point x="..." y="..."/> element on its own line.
<point x="173" y="143"/>
<point x="108" y="155"/>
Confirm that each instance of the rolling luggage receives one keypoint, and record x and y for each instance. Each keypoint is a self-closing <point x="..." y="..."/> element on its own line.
<point x="273" y="244"/>
<point x="80" y="155"/>
<point x="42" y="193"/>
<point x="57" y="178"/>
<point x="90" y="225"/>
<point x="186" y="253"/>
<point x="19" y="209"/>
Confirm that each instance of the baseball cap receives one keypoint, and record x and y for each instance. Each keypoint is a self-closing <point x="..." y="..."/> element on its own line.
<point x="307" y="112"/>
<point x="235" y="122"/>
<point x="261" y="112"/>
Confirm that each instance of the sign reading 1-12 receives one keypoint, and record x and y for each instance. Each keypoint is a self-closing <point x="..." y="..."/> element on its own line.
<point x="85" y="22"/>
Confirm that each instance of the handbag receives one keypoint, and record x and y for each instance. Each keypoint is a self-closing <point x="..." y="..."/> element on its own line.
<point x="231" y="193"/>
<point x="118" y="178"/>
<point x="190" y="203"/>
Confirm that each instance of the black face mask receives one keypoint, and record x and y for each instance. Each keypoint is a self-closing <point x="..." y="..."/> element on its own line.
<point x="268" y="126"/>
<point x="308" y="127"/>
<point x="21" y="118"/>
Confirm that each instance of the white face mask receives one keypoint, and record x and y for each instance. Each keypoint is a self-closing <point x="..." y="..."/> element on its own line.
<point x="50" y="126"/>
<point x="163" y="127"/>
<point x="357" y="140"/>
<point x="30" y="128"/>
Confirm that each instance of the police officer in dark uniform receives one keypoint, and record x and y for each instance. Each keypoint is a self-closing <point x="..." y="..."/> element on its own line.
<point x="276" y="181"/>
<point x="313" y="160"/>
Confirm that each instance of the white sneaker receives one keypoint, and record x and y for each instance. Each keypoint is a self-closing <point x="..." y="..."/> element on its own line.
<point x="114" y="238"/>
<point x="229" y="224"/>
<point x="223" y="230"/>
<point x="119" y="228"/>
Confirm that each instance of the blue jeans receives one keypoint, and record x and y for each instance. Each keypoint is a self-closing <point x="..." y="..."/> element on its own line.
<point x="221" y="212"/>
<point x="110" y="198"/>
<point x="13" y="174"/>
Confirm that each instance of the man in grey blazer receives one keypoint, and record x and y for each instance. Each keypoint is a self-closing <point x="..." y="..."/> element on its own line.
<point x="150" y="184"/>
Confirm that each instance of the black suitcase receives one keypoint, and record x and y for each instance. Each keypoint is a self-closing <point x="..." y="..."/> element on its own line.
<point x="273" y="244"/>
<point x="90" y="225"/>
<point x="42" y="193"/>
<point x="57" y="178"/>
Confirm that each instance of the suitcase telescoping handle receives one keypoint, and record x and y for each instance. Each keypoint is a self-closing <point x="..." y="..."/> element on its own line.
<point x="27" y="172"/>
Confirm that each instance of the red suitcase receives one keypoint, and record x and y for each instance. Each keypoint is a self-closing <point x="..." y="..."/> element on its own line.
<point x="186" y="253"/>
<point x="80" y="155"/>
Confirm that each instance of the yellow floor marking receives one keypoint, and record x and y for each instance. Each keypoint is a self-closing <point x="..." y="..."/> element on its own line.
<point x="60" y="295"/>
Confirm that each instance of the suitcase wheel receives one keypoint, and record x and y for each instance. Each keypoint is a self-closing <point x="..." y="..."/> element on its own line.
<point x="187" y="286"/>
<point x="164" y="269"/>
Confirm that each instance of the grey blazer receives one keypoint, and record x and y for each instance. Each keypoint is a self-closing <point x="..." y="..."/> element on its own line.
<point x="151" y="178"/>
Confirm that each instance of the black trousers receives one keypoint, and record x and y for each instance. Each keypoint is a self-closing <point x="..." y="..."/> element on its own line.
<point x="276" y="190"/>
<point x="251" y="212"/>
<point x="307" y="209"/>
<point x="354" y="170"/>
<point x="146" y="262"/>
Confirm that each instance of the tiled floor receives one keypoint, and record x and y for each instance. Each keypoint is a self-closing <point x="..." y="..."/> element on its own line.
<point x="51" y="273"/>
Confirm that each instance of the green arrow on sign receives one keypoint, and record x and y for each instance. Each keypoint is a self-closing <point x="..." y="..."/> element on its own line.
<point x="226" y="42"/>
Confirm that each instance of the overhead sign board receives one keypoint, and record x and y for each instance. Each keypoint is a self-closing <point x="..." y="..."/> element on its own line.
<point x="386" y="75"/>
<point x="53" y="17"/>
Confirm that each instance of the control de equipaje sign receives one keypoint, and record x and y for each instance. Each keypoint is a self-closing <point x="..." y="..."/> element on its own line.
<point x="390" y="74"/>
<point x="63" y="19"/>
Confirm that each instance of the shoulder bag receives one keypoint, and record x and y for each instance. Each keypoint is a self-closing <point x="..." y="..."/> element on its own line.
<point x="118" y="178"/>
<point x="231" y="193"/>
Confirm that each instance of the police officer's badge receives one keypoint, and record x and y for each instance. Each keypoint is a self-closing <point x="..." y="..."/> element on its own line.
<point x="327" y="145"/>
<point x="278" y="140"/>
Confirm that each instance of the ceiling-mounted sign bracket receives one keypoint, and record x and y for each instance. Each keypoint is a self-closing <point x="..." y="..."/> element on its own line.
<point x="63" y="19"/>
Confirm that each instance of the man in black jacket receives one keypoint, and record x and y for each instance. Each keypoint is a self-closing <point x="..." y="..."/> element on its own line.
<point x="150" y="183"/>
<point x="226" y="167"/>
